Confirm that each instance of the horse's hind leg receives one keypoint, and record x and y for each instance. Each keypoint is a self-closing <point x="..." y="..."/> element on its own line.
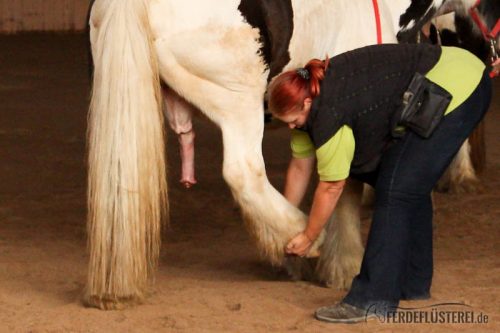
<point x="269" y="217"/>
<point x="226" y="80"/>
<point x="179" y="114"/>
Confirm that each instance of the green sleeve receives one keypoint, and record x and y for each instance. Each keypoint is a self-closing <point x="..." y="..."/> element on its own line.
<point x="335" y="156"/>
<point x="301" y="144"/>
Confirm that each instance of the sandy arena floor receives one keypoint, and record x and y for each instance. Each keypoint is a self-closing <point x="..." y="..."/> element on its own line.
<point x="210" y="277"/>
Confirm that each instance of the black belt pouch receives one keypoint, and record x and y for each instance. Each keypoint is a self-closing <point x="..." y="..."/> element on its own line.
<point x="424" y="104"/>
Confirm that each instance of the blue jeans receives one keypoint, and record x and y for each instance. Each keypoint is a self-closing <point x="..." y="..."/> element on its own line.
<point x="398" y="263"/>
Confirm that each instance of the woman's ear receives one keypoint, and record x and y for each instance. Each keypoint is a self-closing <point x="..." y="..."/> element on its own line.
<point x="307" y="104"/>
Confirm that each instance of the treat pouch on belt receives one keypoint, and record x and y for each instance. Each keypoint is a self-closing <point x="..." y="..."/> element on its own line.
<point x="424" y="104"/>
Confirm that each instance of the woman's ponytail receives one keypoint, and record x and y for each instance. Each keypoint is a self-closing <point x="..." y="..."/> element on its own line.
<point x="316" y="69"/>
<point x="288" y="90"/>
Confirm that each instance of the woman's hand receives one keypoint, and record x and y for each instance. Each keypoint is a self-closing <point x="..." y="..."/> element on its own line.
<point x="299" y="245"/>
<point x="325" y="200"/>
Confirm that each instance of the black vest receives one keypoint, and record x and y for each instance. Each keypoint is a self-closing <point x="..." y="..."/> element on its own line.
<point x="363" y="89"/>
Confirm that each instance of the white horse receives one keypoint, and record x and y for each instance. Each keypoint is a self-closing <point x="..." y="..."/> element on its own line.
<point x="218" y="55"/>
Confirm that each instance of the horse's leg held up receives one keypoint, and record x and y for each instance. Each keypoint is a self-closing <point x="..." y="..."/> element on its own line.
<point x="233" y="101"/>
<point x="270" y="218"/>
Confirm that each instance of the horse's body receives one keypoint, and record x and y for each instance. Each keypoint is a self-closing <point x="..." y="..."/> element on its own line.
<point x="219" y="56"/>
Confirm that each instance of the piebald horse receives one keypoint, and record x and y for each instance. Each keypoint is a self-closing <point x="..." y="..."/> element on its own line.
<point x="477" y="29"/>
<point x="217" y="56"/>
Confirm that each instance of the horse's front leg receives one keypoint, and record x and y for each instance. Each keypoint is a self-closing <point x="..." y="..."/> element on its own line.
<point x="270" y="218"/>
<point x="342" y="250"/>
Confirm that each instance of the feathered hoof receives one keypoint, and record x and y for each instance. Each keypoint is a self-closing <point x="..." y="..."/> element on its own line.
<point x="341" y="279"/>
<point x="339" y="273"/>
<point x="108" y="302"/>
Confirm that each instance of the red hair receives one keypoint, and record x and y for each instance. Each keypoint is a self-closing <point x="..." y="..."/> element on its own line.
<point x="288" y="90"/>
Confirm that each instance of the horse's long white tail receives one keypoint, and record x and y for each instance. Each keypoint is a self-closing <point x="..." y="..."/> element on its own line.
<point x="127" y="194"/>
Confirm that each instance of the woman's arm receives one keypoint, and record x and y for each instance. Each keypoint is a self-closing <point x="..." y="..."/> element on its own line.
<point x="325" y="200"/>
<point x="297" y="178"/>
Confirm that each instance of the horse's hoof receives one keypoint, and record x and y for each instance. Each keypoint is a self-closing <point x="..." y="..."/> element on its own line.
<point x="338" y="271"/>
<point x="111" y="303"/>
<point x="341" y="277"/>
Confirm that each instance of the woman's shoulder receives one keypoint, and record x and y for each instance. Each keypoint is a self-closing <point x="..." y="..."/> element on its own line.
<point x="392" y="48"/>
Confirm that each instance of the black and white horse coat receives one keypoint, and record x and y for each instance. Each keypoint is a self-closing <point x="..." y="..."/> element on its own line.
<point x="219" y="56"/>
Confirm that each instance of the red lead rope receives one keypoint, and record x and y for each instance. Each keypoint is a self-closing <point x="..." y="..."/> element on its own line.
<point x="484" y="29"/>
<point x="377" y="21"/>
<point x="489" y="36"/>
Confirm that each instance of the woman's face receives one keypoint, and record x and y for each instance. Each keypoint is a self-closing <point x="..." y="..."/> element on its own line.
<point x="297" y="117"/>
